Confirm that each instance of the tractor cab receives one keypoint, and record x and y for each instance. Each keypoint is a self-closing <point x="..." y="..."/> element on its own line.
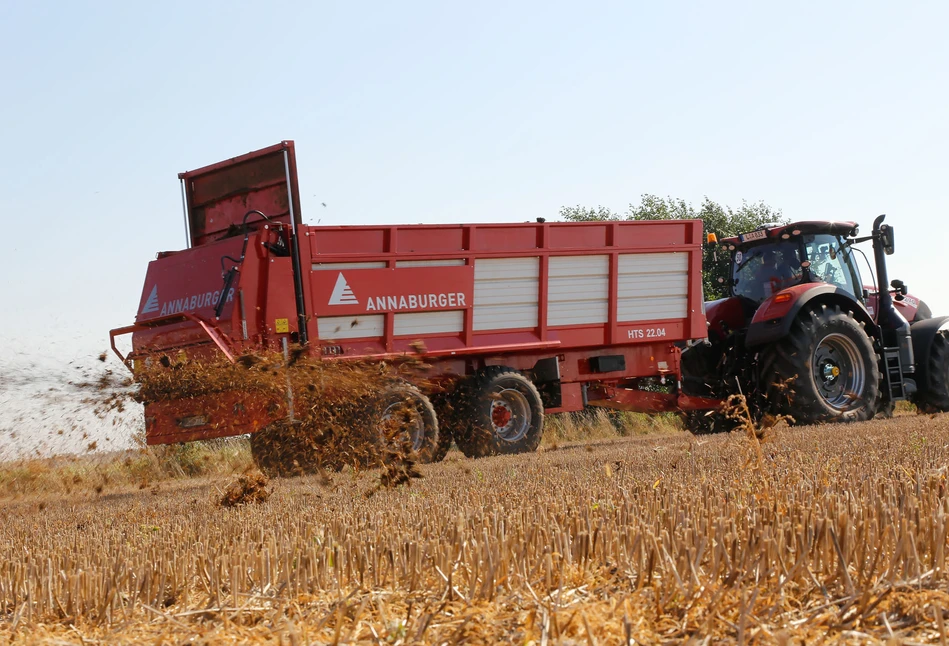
<point x="773" y="258"/>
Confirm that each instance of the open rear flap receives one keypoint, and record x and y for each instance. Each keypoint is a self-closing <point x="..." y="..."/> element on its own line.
<point x="217" y="197"/>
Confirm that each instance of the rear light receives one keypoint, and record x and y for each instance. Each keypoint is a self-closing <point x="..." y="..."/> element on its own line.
<point x="193" y="421"/>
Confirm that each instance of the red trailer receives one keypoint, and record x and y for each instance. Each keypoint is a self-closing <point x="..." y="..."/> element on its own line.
<point x="557" y="315"/>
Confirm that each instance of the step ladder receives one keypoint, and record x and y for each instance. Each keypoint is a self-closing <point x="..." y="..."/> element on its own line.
<point x="893" y="373"/>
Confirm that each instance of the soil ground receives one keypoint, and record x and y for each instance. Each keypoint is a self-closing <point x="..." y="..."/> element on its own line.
<point x="807" y="534"/>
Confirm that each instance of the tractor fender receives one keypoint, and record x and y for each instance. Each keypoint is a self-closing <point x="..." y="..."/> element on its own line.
<point x="774" y="317"/>
<point x="924" y="332"/>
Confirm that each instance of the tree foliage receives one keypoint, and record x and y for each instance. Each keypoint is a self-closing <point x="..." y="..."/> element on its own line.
<point x="721" y="220"/>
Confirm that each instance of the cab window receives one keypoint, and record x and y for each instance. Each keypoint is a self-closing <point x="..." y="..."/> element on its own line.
<point x="829" y="262"/>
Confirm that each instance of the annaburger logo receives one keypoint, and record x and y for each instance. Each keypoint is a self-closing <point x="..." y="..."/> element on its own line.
<point x="343" y="293"/>
<point x="184" y="304"/>
<point x="151" y="305"/>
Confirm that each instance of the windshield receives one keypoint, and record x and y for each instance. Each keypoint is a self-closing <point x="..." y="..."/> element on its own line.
<point x="830" y="264"/>
<point x="765" y="269"/>
<point x="760" y="271"/>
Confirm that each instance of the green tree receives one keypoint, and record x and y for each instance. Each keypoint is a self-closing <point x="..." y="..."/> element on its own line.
<point x="721" y="220"/>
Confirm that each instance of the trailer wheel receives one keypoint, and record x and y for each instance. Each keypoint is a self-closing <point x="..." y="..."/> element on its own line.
<point x="446" y="406"/>
<point x="503" y="414"/>
<point x="824" y="370"/>
<point x="405" y="422"/>
<point x="936" y="397"/>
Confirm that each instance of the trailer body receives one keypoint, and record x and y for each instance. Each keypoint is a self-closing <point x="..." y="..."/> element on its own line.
<point x="587" y="310"/>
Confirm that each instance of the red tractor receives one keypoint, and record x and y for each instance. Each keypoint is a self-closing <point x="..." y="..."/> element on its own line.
<point x="799" y="335"/>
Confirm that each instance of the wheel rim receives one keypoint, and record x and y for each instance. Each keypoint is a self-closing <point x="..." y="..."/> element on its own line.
<point x="510" y="415"/>
<point x="409" y="421"/>
<point x="839" y="371"/>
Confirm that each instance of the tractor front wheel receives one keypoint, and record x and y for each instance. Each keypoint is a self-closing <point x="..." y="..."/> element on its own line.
<point x="825" y="370"/>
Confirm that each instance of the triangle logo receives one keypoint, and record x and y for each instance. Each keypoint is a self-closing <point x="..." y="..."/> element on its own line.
<point x="151" y="305"/>
<point x="342" y="293"/>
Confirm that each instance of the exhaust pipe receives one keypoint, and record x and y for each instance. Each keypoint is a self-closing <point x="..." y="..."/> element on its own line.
<point x="894" y="326"/>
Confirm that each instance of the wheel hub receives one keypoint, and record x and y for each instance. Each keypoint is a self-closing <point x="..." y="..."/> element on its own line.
<point x="510" y="415"/>
<point x="830" y="372"/>
<point x="500" y="414"/>
<point x="839" y="371"/>
<point x="402" y="417"/>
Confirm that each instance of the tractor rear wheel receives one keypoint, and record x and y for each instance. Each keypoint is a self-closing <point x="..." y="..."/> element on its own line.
<point x="706" y="422"/>
<point x="502" y="413"/>
<point x="922" y="312"/>
<point x="936" y="397"/>
<point x="825" y="370"/>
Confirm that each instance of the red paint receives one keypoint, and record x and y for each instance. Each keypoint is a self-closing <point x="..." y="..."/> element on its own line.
<point x="772" y="309"/>
<point x="263" y="290"/>
<point x="724" y="315"/>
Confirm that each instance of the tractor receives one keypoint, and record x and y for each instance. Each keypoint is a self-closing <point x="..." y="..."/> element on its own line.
<point x="801" y="336"/>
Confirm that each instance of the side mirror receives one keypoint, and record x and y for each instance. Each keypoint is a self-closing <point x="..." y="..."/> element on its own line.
<point x="886" y="239"/>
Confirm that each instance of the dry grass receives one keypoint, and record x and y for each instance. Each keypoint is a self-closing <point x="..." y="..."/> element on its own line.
<point x="97" y="473"/>
<point x="836" y="531"/>
<point x="604" y="424"/>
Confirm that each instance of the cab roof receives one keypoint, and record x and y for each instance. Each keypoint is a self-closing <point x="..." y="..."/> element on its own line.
<point x="805" y="227"/>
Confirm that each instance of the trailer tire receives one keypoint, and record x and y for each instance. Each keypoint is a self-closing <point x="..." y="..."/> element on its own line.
<point x="824" y="370"/>
<point x="502" y="414"/>
<point x="405" y="423"/>
<point x="447" y="405"/>
<point x="936" y="397"/>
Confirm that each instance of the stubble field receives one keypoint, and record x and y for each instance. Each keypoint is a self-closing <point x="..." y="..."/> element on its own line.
<point x="832" y="533"/>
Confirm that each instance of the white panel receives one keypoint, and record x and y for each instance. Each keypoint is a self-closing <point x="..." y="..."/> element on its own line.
<point x="372" y="264"/>
<point x="578" y="289"/>
<point x="505" y="293"/>
<point x="653" y="286"/>
<point x="350" y="327"/>
<point x="444" y="262"/>
<point x="411" y="323"/>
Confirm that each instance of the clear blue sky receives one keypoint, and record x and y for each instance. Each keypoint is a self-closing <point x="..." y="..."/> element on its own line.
<point x="451" y="112"/>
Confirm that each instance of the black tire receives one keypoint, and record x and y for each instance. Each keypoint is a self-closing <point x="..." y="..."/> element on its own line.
<point x="446" y="406"/>
<point x="922" y="312"/>
<point x="397" y="424"/>
<point x="936" y="397"/>
<point x="886" y="410"/>
<point x="825" y="370"/>
<point x="703" y="422"/>
<point x="502" y="414"/>
<point x="406" y="422"/>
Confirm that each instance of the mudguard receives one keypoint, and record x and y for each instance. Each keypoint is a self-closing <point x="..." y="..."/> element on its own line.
<point x="923" y="334"/>
<point x="724" y="315"/>
<point x="775" y="316"/>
